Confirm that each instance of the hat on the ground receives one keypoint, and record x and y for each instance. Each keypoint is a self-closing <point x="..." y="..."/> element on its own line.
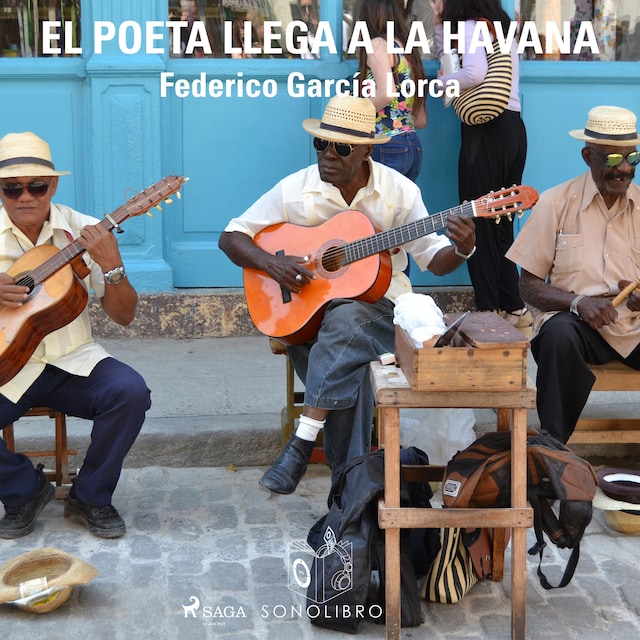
<point x="346" y="119"/>
<point x="619" y="495"/>
<point x="610" y="126"/>
<point x="624" y="521"/>
<point x="25" y="154"/>
<point x="41" y="580"/>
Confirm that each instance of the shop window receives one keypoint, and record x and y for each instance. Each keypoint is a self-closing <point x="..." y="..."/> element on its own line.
<point x="236" y="28"/>
<point x="21" y="26"/>
<point x="616" y="27"/>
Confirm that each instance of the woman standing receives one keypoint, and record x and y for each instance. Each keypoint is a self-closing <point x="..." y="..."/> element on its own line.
<point x="398" y="115"/>
<point x="492" y="157"/>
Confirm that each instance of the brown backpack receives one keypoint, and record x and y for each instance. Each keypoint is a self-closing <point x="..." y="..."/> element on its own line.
<point x="480" y="476"/>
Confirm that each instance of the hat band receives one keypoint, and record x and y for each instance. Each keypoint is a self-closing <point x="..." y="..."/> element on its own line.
<point x="610" y="136"/>
<point x="26" y="160"/>
<point x="351" y="132"/>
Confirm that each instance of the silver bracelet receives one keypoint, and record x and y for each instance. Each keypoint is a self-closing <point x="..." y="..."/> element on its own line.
<point x="462" y="255"/>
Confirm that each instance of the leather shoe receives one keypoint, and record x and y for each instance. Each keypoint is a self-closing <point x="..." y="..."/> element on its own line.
<point x="19" y="521"/>
<point x="287" y="471"/>
<point x="104" y="522"/>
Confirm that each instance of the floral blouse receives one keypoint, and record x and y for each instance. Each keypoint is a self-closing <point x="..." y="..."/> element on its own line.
<point x="397" y="115"/>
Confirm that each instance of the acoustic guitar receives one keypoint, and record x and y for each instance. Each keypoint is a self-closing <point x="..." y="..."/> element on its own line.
<point x="57" y="295"/>
<point x="350" y="259"/>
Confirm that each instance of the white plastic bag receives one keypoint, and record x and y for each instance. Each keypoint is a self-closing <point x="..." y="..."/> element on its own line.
<point x="440" y="433"/>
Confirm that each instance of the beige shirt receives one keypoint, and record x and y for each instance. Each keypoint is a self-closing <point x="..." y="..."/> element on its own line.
<point x="70" y="348"/>
<point x="388" y="199"/>
<point x="580" y="246"/>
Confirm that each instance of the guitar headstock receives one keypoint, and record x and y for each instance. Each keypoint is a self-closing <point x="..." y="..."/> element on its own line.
<point x="506" y="202"/>
<point x="148" y="198"/>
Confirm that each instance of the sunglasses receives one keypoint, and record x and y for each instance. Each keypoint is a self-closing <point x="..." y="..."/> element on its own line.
<point x="306" y="8"/>
<point x="343" y="149"/>
<point x="36" y="189"/>
<point x="615" y="159"/>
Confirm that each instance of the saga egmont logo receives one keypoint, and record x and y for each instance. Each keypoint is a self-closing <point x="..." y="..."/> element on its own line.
<point x="331" y="565"/>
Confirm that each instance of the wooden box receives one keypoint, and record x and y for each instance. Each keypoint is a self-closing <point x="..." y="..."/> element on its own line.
<point x="488" y="353"/>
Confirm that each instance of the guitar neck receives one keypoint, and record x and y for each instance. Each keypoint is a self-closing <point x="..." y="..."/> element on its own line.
<point x="384" y="240"/>
<point x="64" y="256"/>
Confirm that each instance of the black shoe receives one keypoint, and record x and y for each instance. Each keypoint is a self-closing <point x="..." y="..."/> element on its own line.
<point x="288" y="469"/>
<point x="104" y="522"/>
<point x="19" y="521"/>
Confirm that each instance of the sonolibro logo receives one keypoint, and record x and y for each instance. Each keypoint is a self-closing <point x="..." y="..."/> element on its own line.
<point x="331" y="565"/>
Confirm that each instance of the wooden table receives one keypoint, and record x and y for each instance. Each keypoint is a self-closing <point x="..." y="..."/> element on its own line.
<point x="392" y="392"/>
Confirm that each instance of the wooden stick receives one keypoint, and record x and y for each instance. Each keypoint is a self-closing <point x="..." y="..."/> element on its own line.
<point x="626" y="292"/>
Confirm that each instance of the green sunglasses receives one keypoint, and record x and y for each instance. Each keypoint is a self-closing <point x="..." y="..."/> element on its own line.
<point x="615" y="159"/>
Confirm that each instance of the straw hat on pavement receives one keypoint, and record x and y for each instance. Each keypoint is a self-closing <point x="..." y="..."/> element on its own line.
<point x="41" y="580"/>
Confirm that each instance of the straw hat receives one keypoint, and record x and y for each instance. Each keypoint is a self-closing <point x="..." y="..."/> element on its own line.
<point x="618" y="494"/>
<point x="346" y="119"/>
<point x="624" y="521"/>
<point x="25" y="154"/>
<point x="62" y="572"/>
<point x="610" y="126"/>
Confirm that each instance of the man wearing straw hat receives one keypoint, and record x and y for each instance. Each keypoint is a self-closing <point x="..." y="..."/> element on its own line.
<point x="578" y="251"/>
<point x="68" y="371"/>
<point x="334" y="366"/>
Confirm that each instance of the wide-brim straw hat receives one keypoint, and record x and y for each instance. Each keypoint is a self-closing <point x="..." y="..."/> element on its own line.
<point x="617" y="494"/>
<point x="624" y="521"/>
<point x="62" y="571"/>
<point x="613" y="126"/>
<point x="346" y="119"/>
<point x="25" y="154"/>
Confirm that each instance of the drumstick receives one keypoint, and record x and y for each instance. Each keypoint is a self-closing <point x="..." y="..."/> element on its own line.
<point x="626" y="292"/>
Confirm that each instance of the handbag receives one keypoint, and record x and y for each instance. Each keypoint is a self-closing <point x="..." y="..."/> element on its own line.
<point x="451" y="575"/>
<point x="489" y="99"/>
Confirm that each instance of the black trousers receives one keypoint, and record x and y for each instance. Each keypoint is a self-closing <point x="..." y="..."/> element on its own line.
<point x="492" y="157"/>
<point x="562" y="350"/>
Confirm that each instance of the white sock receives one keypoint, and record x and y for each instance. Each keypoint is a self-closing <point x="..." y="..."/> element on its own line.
<point x="308" y="428"/>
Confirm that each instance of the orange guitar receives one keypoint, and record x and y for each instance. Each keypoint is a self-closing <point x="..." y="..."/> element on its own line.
<point x="57" y="294"/>
<point x="350" y="258"/>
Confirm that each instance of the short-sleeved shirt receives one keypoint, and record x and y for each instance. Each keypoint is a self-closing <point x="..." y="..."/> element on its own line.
<point x="71" y="347"/>
<point x="388" y="199"/>
<point x="578" y="244"/>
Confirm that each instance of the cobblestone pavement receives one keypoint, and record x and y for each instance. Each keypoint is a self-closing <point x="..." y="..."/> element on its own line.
<point x="210" y="533"/>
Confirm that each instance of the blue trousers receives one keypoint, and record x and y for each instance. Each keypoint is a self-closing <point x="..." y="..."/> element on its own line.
<point x="114" y="396"/>
<point x="335" y="370"/>
<point x="403" y="153"/>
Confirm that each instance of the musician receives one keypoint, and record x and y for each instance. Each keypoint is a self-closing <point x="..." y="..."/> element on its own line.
<point x="577" y="250"/>
<point x="334" y="366"/>
<point x="68" y="371"/>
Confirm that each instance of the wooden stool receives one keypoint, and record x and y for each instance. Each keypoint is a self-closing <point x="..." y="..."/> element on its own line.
<point x="61" y="475"/>
<point x="613" y="376"/>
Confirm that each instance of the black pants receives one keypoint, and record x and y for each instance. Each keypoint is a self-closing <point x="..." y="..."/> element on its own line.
<point x="492" y="157"/>
<point x="562" y="350"/>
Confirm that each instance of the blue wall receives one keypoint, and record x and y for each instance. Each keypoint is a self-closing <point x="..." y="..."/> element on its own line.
<point x="106" y="122"/>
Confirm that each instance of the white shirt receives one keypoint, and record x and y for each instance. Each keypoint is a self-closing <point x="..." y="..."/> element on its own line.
<point x="71" y="347"/>
<point x="388" y="199"/>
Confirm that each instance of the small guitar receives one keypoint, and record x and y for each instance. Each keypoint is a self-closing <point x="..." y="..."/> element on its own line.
<point x="57" y="295"/>
<point x="350" y="258"/>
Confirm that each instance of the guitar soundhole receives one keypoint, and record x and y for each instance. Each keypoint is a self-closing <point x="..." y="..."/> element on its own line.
<point x="26" y="280"/>
<point x="333" y="259"/>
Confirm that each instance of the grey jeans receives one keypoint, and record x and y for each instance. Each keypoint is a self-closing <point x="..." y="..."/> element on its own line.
<point x="335" y="370"/>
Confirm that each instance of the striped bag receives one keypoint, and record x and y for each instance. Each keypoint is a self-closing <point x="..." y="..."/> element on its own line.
<point x="451" y="575"/>
<point x="489" y="99"/>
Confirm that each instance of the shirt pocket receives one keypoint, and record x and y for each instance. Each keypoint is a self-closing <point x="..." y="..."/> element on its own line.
<point x="569" y="252"/>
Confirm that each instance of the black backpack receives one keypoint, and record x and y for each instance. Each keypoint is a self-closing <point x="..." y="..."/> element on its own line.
<point x="349" y="548"/>
<point x="480" y="476"/>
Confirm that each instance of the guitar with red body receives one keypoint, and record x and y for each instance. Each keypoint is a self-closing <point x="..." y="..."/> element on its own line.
<point x="350" y="259"/>
<point x="57" y="295"/>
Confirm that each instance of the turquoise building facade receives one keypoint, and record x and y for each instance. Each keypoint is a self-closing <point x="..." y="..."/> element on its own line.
<point x="108" y="122"/>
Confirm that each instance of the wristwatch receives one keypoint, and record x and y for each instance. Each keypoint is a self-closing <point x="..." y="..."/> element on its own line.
<point x="115" y="276"/>
<point x="462" y="255"/>
<point x="573" y="307"/>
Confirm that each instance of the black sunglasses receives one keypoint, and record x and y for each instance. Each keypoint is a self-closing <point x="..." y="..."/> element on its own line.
<point x="615" y="159"/>
<point x="36" y="189"/>
<point x="343" y="149"/>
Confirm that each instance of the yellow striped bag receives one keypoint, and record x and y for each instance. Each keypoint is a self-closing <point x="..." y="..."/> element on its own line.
<point x="490" y="98"/>
<point x="451" y="575"/>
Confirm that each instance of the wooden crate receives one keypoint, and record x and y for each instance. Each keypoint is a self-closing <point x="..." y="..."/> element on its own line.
<point x="487" y="354"/>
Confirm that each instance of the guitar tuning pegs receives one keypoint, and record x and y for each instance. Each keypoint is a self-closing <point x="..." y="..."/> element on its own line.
<point x="178" y="195"/>
<point x="510" y="217"/>
<point x="149" y="214"/>
<point x="168" y="201"/>
<point x="158" y="207"/>
<point x="497" y="219"/>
